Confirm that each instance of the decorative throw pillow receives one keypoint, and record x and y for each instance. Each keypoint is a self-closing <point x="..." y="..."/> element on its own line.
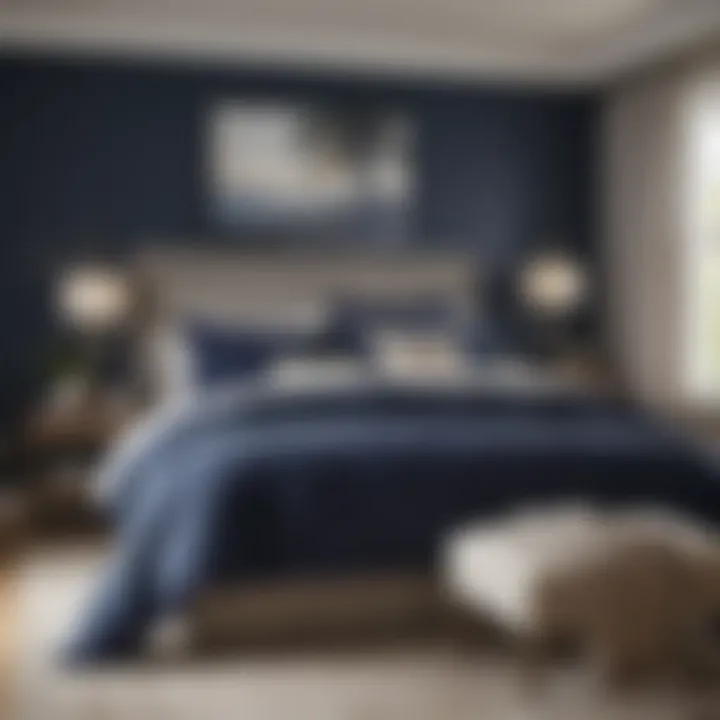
<point x="222" y="353"/>
<point x="418" y="354"/>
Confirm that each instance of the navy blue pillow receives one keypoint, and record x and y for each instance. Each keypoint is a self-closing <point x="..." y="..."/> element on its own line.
<point x="482" y="339"/>
<point x="223" y="353"/>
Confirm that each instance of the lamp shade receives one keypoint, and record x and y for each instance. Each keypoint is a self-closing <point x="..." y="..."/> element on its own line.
<point x="553" y="285"/>
<point x="92" y="297"/>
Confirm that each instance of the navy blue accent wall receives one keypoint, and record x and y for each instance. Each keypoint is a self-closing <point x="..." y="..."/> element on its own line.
<point x="111" y="155"/>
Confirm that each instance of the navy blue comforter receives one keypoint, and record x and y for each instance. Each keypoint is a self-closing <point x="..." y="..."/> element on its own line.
<point x="264" y="484"/>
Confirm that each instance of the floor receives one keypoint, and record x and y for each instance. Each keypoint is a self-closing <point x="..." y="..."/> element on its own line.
<point x="8" y="611"/>
<point x="41" y="594"/>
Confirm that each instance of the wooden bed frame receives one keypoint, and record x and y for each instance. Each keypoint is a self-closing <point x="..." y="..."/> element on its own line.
<point x="295" y="289"/>
<point x="350" y="612"/>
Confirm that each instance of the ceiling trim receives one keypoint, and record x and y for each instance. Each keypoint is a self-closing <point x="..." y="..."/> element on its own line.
<point x="273" y="47"/>
<point x="678" y="26"/>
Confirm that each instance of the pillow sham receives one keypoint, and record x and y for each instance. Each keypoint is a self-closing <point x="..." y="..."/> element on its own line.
<point x="415" y="353"/>
<point x="226" y="352"/>
<point x="165" y="363"/>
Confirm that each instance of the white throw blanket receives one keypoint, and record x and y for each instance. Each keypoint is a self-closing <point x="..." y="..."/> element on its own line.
<point x="493" y="567"/>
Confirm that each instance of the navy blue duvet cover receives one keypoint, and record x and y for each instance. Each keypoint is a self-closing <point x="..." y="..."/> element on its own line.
<point x="256" y="483"/>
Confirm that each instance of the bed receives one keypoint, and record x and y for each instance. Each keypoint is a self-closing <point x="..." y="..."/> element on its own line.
<point x="256" y="481"/>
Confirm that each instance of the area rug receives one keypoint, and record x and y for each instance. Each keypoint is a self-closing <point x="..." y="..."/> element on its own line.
<point x="414" y="683"/>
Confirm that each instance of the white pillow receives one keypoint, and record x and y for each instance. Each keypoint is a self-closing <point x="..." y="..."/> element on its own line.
<point x="314" y="372"/>
<point x="417" y="354"/>
<point x="169" y="363"/>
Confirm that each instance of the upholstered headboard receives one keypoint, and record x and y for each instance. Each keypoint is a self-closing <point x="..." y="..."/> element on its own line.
<point x="294" y="288"/>
<point x="274" y="290"/>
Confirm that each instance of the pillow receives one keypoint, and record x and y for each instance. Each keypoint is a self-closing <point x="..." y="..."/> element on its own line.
<point x="305" y="372"/>
<point x="354" y="321"/>
<point x="410" y="353"/>
<point x="166" y="362"/>
<point x="222" y="353"/>
<point x="483" y="339"/>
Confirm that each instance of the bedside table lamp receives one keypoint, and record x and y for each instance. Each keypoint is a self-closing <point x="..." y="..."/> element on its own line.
<point x="553" y="288"/>
<point x="93" y="300"/>
<point x="553" y="285"/>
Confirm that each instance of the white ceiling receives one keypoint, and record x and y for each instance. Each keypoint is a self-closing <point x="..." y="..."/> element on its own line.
<point x="571" y="41"/>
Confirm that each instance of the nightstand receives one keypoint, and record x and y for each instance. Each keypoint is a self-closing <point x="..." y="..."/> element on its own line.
<point x="61" y="449"/>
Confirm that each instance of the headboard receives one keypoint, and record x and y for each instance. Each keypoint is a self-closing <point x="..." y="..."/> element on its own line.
<point x="274" y="290"/>
<point x="288" y="288"/>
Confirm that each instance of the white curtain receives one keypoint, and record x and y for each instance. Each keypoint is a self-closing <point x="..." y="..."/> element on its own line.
<point x="646" y="206"/>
